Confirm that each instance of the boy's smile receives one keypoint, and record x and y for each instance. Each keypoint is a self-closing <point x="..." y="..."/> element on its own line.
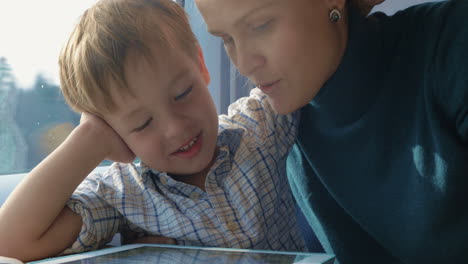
<point x="169" y="121"/>
<point x="190" y="149"/>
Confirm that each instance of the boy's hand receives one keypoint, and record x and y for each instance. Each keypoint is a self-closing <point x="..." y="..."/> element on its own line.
<point x="116" y="148"/>
<point x="365" y="6"/>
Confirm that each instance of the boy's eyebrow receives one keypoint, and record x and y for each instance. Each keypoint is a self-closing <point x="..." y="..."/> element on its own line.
<point x="131" y="114"/>
<point x="243" y="17"/>
<point x="178" y="76"/>
<point x="171" y="83"/>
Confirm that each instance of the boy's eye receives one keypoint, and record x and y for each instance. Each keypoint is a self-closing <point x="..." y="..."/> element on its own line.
<point x="185" y="93"/>
<point x="140" y="128"/>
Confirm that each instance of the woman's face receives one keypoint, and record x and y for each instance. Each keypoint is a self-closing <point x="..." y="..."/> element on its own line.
<point x="288" y="48"/>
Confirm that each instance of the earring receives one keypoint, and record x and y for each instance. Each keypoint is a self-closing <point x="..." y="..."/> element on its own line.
<point x="334" y="15"/>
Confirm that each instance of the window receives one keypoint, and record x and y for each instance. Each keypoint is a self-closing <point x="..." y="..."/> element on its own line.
<point x="34" y="117"/>
<point x="391" y="6"/>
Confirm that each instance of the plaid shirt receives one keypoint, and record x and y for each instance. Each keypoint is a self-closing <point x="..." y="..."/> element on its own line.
<point x="247" y="202"/>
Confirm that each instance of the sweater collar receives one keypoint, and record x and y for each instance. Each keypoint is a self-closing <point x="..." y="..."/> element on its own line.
<point x="352" y="89"/>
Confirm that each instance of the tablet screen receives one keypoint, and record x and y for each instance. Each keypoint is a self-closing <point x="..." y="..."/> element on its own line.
<point x="183" y="255"/>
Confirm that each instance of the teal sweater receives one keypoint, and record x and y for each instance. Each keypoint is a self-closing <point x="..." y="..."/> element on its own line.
<point x="380" y="168"/>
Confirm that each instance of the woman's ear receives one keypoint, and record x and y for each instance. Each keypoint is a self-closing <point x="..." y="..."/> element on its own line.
<point x="203" y="69"/>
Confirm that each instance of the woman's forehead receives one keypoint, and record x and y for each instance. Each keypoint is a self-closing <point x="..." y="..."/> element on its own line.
<point x="217" y="13"/>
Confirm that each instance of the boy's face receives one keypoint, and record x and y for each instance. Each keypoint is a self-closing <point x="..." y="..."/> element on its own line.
<point x="171" y="122"/>
<point x="288" y="48"/>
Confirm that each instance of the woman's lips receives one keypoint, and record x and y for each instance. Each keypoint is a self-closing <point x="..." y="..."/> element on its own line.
<point x="267" y="88"/>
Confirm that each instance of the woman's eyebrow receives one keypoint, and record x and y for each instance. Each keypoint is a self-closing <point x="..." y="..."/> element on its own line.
<point x="245" y="16"/>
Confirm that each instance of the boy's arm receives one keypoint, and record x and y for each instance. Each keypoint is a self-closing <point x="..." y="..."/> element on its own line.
<point x="34" y="222"/>
<point x="263" y="124"/>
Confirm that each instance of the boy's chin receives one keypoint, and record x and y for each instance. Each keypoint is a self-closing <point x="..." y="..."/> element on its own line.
<point x="198" y="172"/>
<point x="191" y="173"/>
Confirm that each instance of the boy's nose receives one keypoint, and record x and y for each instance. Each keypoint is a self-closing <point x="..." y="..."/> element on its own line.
<point x="175" y="127"/>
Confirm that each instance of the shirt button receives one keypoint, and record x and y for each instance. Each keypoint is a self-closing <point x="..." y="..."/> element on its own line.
<point x="163" y="180"/>
<point x="194" y="196"/>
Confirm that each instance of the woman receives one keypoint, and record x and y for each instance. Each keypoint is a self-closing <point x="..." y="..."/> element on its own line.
<point x="381" y="161"/>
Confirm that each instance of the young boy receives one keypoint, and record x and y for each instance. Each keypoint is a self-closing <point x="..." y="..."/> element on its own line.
<point x="135" y="70"/>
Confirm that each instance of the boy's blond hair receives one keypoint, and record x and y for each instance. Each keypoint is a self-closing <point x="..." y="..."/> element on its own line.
<point x="93" y="59"/>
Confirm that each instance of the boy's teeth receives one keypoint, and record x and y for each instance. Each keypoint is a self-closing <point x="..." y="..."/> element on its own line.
<point x="189" y="145"/>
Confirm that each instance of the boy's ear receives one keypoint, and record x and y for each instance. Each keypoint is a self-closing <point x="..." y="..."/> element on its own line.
<point x="203" y="69"/>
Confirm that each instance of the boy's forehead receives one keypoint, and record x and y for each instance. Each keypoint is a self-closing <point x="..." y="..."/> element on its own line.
<point x="159" y="63"/>
<point x="154" y="53"/>
<point x="155" y="71"/>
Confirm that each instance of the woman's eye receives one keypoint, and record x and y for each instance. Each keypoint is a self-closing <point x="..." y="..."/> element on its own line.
<point x="227" y="40"/>
<point x="142" y="127"/>
<point x="263" y="26"/>
<point x="184" y="94"/>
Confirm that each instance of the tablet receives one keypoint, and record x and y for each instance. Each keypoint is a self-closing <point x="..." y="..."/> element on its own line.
<point x="169" y="254"/>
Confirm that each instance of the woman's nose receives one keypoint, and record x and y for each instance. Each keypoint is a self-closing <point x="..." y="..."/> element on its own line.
<point x="248" y="60"/>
